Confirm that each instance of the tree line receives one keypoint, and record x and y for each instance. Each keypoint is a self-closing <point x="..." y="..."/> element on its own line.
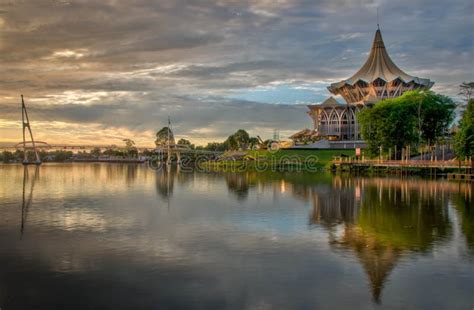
<point x="415" y="119"/>
<point x="240" y="140"/>
<point x="129" y="150"/>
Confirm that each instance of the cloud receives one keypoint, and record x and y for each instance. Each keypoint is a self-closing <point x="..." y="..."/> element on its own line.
<point x="131" y="64"/>
<point x="202" y="121"/>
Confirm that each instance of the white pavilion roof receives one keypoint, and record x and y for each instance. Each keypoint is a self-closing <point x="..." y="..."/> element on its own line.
<point x="380" y="65"/>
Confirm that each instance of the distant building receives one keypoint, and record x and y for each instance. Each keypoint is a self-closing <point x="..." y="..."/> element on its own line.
<point x="379" y="78"/>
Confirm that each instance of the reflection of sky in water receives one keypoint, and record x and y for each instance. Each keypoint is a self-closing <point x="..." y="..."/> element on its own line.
<point x="123" y="236"/>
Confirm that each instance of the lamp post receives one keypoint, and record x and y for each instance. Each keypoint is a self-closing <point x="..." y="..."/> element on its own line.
<point x="168" y="159"/>
<point x="419" y="127"/>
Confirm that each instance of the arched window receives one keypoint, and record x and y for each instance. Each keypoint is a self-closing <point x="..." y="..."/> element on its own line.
<point x="323" y="123"/>
<point x="345" y="124"/>
<point x="344" y="117"/>
<point x="334" y="121"/>
<point x="353" y="126"/>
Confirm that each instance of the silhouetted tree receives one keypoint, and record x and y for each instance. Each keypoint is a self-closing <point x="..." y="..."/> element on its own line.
<point x="186" y="142"/>
<point x="95" y="152"/>
<point x="130" y="148"/>
<point x="7" y="156"/>
<point x="162" y="136"/>
<point x="466" y="90"/>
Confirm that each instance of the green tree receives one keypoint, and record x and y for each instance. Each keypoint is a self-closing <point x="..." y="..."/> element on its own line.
<point x="61" y="156"/>
<point x="215" y="146"/>
<point x="436" y="112"/>
<point x="7" y="156"/>
<point x="230" y="143"/>
<point x="18" y="155"/>
<point x="95" y="152"/>
<point x="466" y="90"/>
<point x="147" y="152"/>
<point x="413" y="118"/>
<point x="253" y="142"/>
<point x="239" y="140"/>
<point x="130" y="148"/>
<point x="186" y="142"/>
<point x="387" y="124"/>
<point x="162" y="136"/>
<point x="464" y="139"/>
<point x="112" y="151"/>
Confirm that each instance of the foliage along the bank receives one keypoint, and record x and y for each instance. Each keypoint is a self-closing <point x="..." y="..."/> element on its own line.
<point x="416" y="117"/>
<point x="162" y="136"/>
<point x="464" y="139"/>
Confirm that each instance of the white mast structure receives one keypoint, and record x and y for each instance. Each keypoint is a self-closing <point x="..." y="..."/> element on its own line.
<point x="26" y="125"/>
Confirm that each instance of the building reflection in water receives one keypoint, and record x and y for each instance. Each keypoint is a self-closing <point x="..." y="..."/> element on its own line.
<point x="378" y="220"/>
<point x="381" y="219"/>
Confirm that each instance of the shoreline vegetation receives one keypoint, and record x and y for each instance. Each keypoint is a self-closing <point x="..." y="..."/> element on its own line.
<point x="283" y="159"/>
<point x="409" y="128"/>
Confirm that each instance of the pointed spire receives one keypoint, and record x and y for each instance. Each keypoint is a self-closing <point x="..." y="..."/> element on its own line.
<point x="378" y="24"/>
<point x="378" y="65"/>
<point x="378" y="41"/>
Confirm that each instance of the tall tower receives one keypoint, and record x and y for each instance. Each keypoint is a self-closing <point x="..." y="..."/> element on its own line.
<point x="26" y="125"/>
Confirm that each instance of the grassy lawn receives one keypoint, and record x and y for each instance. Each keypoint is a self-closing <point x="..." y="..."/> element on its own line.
<point x="282" y="160"/>
<point x="325" y="157"/>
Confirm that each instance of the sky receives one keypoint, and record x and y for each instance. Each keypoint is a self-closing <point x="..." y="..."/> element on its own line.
<point x="100" y="71"/>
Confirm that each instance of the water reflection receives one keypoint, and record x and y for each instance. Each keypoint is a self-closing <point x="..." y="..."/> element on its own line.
<point x="246" y="232"/>
<point x="27" y="195"/>
<point x="165" y="182"/>
<point x="465" y="208"/>
<point x="127" y="172"/>
<point x="382" y="220"/>
<point x="132" y="173"/>
<point x="239" y="184"/>
<point x="377" y="219"/>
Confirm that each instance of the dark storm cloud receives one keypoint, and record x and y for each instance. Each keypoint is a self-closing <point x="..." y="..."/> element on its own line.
<point x="189" y="56"/>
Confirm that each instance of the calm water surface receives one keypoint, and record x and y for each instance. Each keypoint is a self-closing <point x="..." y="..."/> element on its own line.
<point x="95" y="236"/>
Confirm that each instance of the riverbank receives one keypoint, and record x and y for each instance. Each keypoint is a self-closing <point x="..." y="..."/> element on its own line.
<point x="458" y="170"/>
<point x="286" y="159"/>
<point x="110" y="160"/>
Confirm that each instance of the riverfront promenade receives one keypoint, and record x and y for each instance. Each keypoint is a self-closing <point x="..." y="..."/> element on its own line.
<point x="433" y="166"/>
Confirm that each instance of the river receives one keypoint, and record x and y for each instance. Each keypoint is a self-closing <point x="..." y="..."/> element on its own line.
<point x="123" y="236"/>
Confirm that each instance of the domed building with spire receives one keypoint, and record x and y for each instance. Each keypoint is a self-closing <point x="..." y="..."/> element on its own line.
<point x="379" y="78"/>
